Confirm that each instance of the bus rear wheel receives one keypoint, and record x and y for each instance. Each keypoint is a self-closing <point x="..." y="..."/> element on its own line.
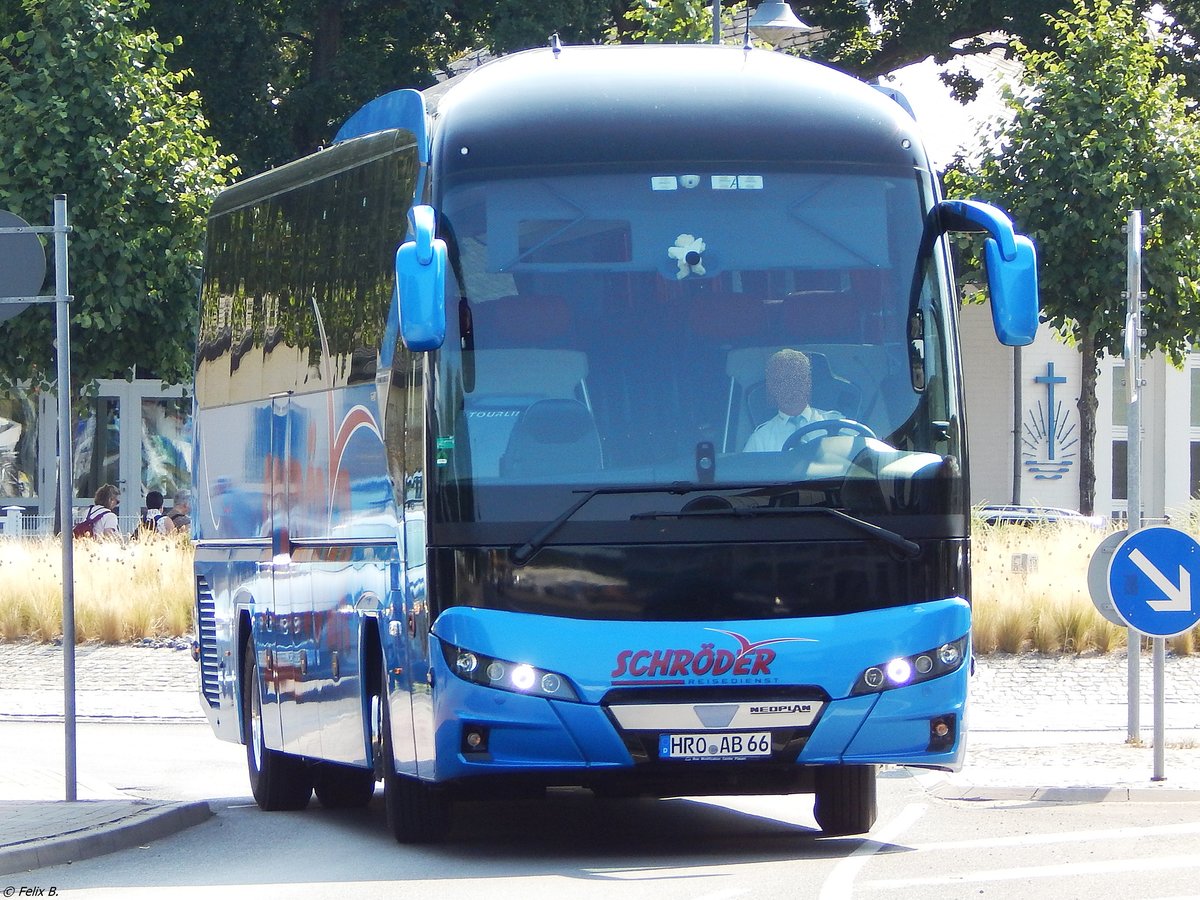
<point x="279" y="781"/>
<point x="845" y="799"/>
<point x="417" y="812"/>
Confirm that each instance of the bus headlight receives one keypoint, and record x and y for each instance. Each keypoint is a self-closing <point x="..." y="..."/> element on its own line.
<point x="519" y="678"/>
<point x="905" y="670"/>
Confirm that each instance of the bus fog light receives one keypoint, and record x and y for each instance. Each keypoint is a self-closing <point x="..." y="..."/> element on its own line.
<point x="523" y="678"/>
<point x="923" y="664"/>
<point x="899" y="671"/>
<point x="873" y="677"/>
<point x="495" y="671"/>
<point x="475" y="739"/>
<point x="551" y="683"/>
<point x="942" y="733"/>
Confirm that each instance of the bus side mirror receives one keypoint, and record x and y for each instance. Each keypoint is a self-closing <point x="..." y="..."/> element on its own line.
<point x="1011" y="267"/>
<point x="421" y="283"/>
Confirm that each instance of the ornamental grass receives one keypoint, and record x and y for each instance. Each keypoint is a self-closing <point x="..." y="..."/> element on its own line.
<point x="1029" y="583"/>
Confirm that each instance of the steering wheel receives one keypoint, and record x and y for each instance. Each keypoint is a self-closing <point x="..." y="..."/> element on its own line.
<point x="828" y="428"/>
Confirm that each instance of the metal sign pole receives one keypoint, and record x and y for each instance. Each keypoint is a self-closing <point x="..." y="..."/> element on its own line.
<point x="1133" y="443"/>
<point x="62" y="308"/>
<point x="27" y="275"/>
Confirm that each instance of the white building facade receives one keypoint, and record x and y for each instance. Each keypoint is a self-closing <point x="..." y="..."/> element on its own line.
<point x="1044" y="469"/>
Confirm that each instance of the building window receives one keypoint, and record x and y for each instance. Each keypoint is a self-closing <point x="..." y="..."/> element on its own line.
<point x="1120" y="398"/>
<point x="1120" y="468"/>
<point x="1120" y="432"/>
<point x="1194" y="385"/>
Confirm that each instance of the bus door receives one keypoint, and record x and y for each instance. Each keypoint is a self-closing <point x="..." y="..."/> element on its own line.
<point x="417" y="637"/>
<point x="292" y="626"/>
<point x="406" y="661"/>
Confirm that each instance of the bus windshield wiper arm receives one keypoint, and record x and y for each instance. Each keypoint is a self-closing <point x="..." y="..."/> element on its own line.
<point x="522" y="554"/>
<point x="910" y="549"/>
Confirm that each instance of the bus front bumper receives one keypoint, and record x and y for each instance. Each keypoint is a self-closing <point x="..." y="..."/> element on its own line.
<point x="488" y="734"/>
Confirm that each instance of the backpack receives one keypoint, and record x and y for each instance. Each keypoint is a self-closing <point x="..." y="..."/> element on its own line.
<point x="147" y="524"/>
<point x="87" y="528"/>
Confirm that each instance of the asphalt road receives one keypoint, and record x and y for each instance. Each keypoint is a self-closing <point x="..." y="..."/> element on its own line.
<point x="575" y="846"/>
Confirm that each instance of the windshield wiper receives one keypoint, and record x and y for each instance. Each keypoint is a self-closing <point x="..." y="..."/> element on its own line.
<point x="910" y="549"/>
<point x="522" y="554"/>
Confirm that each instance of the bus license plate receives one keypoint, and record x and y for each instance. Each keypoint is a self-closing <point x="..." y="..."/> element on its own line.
<point x="739" y="745"/>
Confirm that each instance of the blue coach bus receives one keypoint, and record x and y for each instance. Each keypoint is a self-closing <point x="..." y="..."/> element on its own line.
<point x="477" y="504"/>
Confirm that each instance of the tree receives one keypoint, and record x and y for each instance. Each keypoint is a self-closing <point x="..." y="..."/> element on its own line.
<point x="89" y="108"/>
<point x="1099" y="129"/>
<point x="279" y="76"/>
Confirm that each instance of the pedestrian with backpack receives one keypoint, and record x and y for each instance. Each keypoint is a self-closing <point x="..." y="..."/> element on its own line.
<point x="101" y="518"/>
<point x="153" y="520"/>
<point x="181" y="513"/>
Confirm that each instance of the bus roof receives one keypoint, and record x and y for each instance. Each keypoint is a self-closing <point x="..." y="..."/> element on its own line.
<point x="634" y="103"/>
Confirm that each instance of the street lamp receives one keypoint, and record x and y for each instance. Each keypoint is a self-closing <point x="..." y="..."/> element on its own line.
<point x="773" y="21"/>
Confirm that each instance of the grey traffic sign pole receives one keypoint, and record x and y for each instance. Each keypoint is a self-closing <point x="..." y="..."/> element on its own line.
<point x="1150" y="577"/>
<point x="61" y="299"/>
<point x="1133" y="443"/>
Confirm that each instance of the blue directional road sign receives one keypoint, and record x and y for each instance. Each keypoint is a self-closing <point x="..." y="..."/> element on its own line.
<point x="1150" y="578"/>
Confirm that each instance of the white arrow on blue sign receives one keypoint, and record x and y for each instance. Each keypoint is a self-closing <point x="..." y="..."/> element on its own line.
<point x="1150" y="578"/>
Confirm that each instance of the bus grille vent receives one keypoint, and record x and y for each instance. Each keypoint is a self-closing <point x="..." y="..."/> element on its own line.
<point x="206" y="628"/>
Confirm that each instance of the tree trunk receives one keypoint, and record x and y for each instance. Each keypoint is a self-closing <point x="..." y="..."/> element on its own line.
<point x="307" y="133"/>
<point x="1087" y="406"/>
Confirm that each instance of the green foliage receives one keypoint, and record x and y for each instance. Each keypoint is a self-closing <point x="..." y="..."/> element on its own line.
<point x="279" y="76"/>
<point x="1099" y="129"/>
<point x="507" y="25"/>
<point x="907" y="31"/>
<point x="89" y="108"/>
<point x="676" y="21"/>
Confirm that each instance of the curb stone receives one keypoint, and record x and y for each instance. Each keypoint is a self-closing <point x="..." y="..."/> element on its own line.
<point x="128" y="824"/>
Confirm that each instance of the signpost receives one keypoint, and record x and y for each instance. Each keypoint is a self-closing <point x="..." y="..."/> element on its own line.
<point x="22" y="272"/>
<point x="1144" y="578"/>
<point x="1149" y="588"/>
<point x="1150" y="578"/>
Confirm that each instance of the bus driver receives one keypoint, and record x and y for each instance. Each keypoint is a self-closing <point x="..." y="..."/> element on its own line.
<point x="789" y="385"/>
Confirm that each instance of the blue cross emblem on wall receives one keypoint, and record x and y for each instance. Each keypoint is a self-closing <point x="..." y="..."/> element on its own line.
<point x="1047" y="435"/>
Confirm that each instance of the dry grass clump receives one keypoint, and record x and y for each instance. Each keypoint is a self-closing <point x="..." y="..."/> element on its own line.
<point x="143" y="589"/>
<point x="1031" y="592"/>
<point x="123" y="592"/>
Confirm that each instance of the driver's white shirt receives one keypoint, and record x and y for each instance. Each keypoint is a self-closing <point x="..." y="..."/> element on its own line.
<point x="773" y="433"/>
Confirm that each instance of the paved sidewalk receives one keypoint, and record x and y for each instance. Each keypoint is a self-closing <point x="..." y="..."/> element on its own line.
<point x="1040" y="728"/>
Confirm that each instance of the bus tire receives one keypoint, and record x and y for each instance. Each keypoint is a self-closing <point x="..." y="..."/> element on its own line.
<point x="343" y="787"/>
<point x="417" y="812"/>
<point x="278" y="780"/>
<point x="845" y="799"/>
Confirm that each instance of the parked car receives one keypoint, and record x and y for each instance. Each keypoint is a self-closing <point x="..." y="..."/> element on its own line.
<point x="1035" y="515"/>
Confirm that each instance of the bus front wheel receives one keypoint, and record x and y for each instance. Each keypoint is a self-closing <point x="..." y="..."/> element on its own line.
<point x="845" y="799"/>
<point x="417" y="812"/>
<point x="279" y="781"/>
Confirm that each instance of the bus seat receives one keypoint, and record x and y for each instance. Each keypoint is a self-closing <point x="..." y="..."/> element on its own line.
<point x="514" y="380"/>
<point x="836" y="317"/>
<point x="749" y="406"/>
<point x="727" y="317"/>
<point x="552" y="437"/>
<point x="525" y="320"/>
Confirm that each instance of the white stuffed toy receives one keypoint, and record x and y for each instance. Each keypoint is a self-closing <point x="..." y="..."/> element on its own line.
<point x="689" y="252"/>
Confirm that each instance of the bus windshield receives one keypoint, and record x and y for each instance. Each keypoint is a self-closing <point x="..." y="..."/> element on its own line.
<point x="768" y="337"/>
